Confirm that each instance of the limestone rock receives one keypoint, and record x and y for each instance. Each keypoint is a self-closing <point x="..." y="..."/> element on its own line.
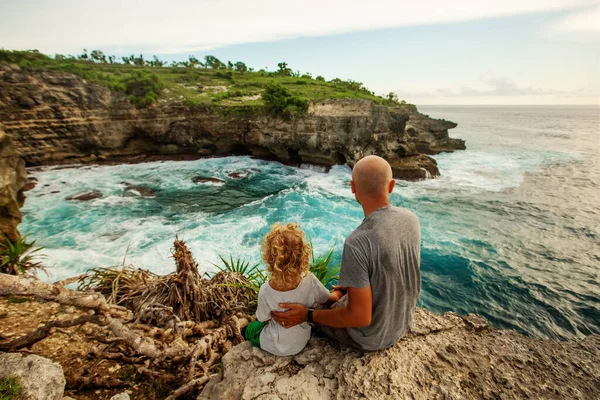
<point x="120" y="396"/>
<point x="40" y="378"/>
<point x="444" y="356"/>
<point x="13" y="178"/>
<point x="69" y="119"/>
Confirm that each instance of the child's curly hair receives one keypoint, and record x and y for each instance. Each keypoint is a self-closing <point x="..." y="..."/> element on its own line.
<point x="286" y="252"/>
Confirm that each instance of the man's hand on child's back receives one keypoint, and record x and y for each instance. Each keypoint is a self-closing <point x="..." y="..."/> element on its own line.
<point x="294" y="315"/>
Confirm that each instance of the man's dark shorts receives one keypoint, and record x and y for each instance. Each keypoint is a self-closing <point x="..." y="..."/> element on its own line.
<point x="339" y="335"/>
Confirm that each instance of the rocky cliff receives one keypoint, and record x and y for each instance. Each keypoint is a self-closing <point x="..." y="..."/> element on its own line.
<point x="445" y="357"/>
<point x="13" y="178"/>
<point x="57" y="117"/>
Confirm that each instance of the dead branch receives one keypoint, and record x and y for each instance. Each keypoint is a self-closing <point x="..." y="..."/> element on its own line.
<point x="97" y="382"/>
<point x="12" y="285"/>
<point x="43" y="331"/>
<point x="73" y="279"/>
<point x="188" y="387"/>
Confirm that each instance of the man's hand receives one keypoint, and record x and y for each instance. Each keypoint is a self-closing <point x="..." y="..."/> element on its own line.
<point x="295" y="314"/>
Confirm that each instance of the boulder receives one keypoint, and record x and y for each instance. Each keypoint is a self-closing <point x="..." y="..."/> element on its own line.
<point x="40" y="378"/>
<point x="445" y="356"/>
<point x="86" y="196"/>
<point x="141" y="191"/>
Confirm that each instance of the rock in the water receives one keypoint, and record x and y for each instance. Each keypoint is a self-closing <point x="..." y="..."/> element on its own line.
<point x="13" y="178"/>
<point x="238" y="174"/>
<point x="40" y="378"/>
<point x="86" y="196"/>
<point x="204" y="179"/>
<point x="141" y="191"/>
<point x="445" y="356"/>
<point x="414" y="168"/>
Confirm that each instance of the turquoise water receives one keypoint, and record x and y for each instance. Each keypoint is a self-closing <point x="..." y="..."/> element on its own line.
<point x="511" y="230"/>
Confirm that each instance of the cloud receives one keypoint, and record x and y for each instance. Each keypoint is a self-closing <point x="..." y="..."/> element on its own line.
<point x="486" y="86"/>
<point x="67" y="26"/>
<point x="586" y="21"/>
<point x="497" y="86"/>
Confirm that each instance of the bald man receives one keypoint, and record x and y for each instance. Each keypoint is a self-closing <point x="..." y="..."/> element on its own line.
<point x="380" y="280"/>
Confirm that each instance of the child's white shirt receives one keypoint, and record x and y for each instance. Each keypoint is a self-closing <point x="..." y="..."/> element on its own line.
<point x="276" y="339"/>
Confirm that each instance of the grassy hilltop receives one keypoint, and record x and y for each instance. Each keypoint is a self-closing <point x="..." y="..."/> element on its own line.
<point x="207" y="82"/>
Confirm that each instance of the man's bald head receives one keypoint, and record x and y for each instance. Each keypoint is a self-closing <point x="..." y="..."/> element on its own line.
<point x="372" y="176"/>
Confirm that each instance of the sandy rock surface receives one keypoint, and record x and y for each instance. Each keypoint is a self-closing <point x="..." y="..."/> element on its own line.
<point x="446" y="357"/>
<point x="40" y="378"/>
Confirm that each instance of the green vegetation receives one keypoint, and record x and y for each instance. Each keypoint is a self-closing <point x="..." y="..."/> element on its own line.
<point x="10" y="388"/>
<point x="20" y="257"/>
<point x="324" y="268"/>
<point x="230" y="87"/>
<point x="253" y="273"/>
<point x="281" y="102"/>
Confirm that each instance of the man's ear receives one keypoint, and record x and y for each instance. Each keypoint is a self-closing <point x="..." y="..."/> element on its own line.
<point x="391" y="187"/>
<point x="352" y="187"/>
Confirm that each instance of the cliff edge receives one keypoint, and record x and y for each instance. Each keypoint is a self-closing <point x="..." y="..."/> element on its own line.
<point x="57" y="117"/>
<point x="13" y="178"/>
<point x="446" y="356"/>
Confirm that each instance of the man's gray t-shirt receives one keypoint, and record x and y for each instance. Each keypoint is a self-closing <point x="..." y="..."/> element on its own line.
<point x="384" y="253"/>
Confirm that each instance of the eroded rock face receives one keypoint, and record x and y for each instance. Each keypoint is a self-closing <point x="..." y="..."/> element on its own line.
<point x="63" y="119"/>
<point x="40" y="378"/>
<point x="13" y="178"/>
<point x="445" y="356"/>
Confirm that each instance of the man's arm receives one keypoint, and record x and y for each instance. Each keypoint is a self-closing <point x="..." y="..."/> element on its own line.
<point x="355" y="315"/>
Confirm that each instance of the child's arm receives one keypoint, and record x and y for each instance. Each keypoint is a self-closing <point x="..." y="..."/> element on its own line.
<point x="323" y="296"/>
<point x="263" y="312"/>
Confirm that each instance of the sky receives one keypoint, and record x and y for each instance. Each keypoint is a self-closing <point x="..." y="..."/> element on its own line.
<point x="427" y="51"/>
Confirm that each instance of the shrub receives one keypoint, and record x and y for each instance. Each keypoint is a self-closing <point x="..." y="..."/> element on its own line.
<point x="143" y="88"/>
<point x="280" y="102"/>
<point x="320" y="78"/>
<point x="20" y="257"/>
<point x="225" y="75"/>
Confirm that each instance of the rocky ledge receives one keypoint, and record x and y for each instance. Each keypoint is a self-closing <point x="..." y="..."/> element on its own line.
<point x="446" y="356"/>
<point x="13" y="178"/>
<point x="56" y="117"/>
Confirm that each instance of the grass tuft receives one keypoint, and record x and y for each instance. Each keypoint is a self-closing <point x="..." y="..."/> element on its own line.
<point x="10" y="388"/>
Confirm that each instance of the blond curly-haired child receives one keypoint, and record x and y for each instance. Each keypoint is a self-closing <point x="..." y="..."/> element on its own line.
<point x="285" y="252"/>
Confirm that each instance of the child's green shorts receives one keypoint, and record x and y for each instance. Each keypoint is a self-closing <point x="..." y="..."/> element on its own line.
<point x="253" y="331"/>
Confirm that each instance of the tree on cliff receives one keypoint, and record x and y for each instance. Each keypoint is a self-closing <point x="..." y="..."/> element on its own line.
<point x="241" y="67"/>
<point x="128" y="60"/>
<point x="193" y="62"/>
<point x="98" y="56"/>
<point x="156" y="62"/>
<point x="283" y="69"/>
<point x="213" y="62"/>
<point x="139" y="61"/>
<point x="84" y="55"/>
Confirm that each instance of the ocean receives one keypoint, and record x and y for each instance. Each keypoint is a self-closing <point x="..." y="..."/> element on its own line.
<point x="511" y="230"/>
